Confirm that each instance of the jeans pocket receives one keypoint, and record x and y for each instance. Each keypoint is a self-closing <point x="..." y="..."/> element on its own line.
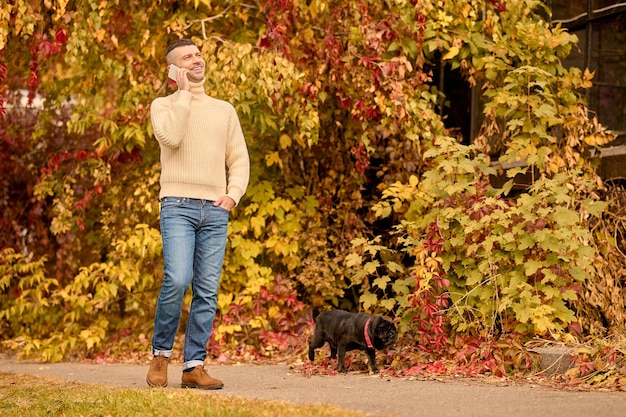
<point x="220" y="213"/>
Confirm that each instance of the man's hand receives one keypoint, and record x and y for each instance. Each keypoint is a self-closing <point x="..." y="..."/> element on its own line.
<point x="181" y="79"/>
<point x="225" y="202"/>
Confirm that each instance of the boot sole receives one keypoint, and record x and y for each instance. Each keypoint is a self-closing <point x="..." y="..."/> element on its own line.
<point x="208" y="387"/>
<point x="155" y="385"/>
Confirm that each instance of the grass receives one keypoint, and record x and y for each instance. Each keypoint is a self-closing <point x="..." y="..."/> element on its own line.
<point x="26" y="395"/>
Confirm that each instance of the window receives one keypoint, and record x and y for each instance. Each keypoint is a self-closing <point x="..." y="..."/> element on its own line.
<point x="601" y="28"/>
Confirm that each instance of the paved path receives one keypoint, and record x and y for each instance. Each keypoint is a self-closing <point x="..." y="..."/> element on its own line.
<point x="370" y="394"/>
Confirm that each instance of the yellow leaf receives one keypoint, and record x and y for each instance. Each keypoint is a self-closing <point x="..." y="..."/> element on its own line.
<point x="587" y="77"/>
<point x="597" y="140"/>
<point x="273" y="158"/>
<point x="273" y="311"/>
<point x="278" y="248"/>
<point x="368" y="299"/>
<point x="454" y="51"/>
<point x="353" y="259"/>
<point x="381" y="282"/>
<point x="285" y="141"/>
<point x="100" y="34"/>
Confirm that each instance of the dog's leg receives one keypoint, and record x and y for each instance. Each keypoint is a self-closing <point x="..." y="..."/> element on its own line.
<point x="333" y="351"/>
<point x="371" y="355"/>
<point x="317" y="341"/>
<point x="341" y="359"/>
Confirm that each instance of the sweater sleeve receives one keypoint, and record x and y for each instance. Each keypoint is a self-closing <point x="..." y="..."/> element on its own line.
<point x="237" y="159"/>
<point x="169" y="116"/>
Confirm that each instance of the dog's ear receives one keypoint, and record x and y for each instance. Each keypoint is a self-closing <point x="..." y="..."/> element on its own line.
<point x="380" y="326"/>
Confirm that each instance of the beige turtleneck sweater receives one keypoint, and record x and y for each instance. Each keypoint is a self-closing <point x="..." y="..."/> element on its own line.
<point x="200" y="137"/>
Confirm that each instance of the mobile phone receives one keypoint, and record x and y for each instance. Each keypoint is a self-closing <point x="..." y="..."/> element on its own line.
<point x="172" y="72"/>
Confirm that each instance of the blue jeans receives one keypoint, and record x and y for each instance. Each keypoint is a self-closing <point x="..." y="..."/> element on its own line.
<point x="194" y="239"/>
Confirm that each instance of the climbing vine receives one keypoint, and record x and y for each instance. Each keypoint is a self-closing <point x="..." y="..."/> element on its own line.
<point x="359" y="199"/>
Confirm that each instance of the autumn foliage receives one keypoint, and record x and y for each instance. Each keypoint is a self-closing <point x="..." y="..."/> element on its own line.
<point x="363" y="194"/>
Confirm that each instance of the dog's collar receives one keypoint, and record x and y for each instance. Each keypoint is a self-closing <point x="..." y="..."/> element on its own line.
<point x="367" y="335"/>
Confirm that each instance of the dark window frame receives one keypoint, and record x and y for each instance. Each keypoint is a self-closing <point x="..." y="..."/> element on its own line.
<point x="587" y="25"/>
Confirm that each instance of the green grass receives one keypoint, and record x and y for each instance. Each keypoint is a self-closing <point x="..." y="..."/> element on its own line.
<point x="26" y="395"/>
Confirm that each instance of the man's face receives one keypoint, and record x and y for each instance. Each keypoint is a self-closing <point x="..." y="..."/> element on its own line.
<point x="188" y="57"/>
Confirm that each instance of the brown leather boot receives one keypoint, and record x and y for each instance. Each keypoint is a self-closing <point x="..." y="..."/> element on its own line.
<point x="198" y="378"/>
<point x="157" y="374"/>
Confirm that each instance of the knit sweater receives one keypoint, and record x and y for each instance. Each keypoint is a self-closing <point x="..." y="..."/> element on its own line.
<point x="203" y="150"/>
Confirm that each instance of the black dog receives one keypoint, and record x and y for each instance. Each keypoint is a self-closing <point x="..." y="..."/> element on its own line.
<point x="346" y="331"/>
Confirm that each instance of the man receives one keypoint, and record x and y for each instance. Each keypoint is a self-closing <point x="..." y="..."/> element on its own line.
<point x="205" y="170"/>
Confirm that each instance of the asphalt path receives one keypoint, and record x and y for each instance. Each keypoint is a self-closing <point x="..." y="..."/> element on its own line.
<point x="370" y="394"/>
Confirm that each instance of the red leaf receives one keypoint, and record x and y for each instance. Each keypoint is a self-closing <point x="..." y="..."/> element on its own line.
<point x="61" y="36"/>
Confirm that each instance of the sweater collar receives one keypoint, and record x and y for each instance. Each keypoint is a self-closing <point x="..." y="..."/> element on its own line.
<point x="197" y="88"/>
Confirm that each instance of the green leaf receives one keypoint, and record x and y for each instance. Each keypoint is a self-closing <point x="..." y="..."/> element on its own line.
<point x="578" y="273"/>
<point x="388" y="304"/>
<point x="394" y="267"/>
<point x="474" y="277"/>
<point x="401" y="287"/>
<point x="595" y="208"/>
<point x="526" y="242"/>
<point x="531" y="267"/>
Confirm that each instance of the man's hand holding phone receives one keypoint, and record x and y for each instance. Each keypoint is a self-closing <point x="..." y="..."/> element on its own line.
<point x="180" y="76"/>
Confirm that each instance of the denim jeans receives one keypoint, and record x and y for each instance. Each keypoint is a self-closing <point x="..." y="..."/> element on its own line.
<point x="194" y="239"/>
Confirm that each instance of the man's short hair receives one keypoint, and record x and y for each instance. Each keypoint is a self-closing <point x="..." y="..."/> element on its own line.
<point x="177" y="43"/>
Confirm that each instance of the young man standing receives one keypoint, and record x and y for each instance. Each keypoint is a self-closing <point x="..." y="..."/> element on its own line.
<point x="205" y="170"/>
